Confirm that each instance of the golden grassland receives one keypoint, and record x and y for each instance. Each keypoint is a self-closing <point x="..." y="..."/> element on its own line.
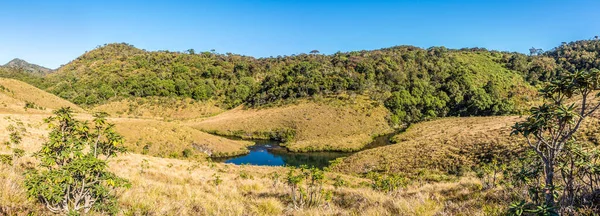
<point x="317" y="126"/>
<point x="14" y="95"/>
<point x="172" y="186"/>
<point x="170" y="139"/>
<point x="443" y="145"/>
<point x="187" y="187"/>
<point x="165" y="139"/>
<point x="179" y="187"/>
<point x="161" y="108"/>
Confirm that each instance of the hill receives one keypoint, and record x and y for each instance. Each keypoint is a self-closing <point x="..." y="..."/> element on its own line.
<point x="19" y="97"/>
<point x="305" y="126"/>
<point x="21" y="64"/>
<point x="445" y="146"/>
<point x="413" y="83"/>
<point x="164" y="108"/>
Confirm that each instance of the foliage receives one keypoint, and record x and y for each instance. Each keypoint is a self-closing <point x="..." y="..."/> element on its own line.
<point x="15" y="139"/>
<point x="415" y="84"/>
<point x="311" y="192"/>
<point x="387" y="182"/>
<point x="32" y="105"/>
<point x="551" y="127"/>
<point x="72" y="175"/>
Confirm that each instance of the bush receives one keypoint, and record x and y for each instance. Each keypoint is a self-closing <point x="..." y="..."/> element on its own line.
<point x="72" y="177"/>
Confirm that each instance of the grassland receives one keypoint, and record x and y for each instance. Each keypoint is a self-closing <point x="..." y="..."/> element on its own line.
<point x="16" y="95"/>
<point x="329" y="125"/>
<point x="169" y="139"/>
<point x="444" y="146"/>
<point x="148" y="136"/>
<point x="159" y="108"/>
<point x="173" y="186"/>
<point x="181" y="187"/>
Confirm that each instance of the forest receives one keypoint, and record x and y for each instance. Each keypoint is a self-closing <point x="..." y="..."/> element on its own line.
<point x="415" y="84"/>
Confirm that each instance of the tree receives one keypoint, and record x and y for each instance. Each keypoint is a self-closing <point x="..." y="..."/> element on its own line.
<point x="72" y="175"/>
<point x="314" y="52"/>
<point x="550" y="128"/>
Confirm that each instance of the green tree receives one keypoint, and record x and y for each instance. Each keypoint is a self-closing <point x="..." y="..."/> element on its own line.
<point x="72" y="176"/>
<point x="550" y="128"/>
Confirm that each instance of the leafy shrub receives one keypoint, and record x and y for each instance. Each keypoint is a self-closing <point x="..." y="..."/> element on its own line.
<point x="72" y="176"/>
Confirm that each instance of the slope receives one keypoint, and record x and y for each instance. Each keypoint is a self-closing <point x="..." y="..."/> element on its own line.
<point x="335" y="125"/>
<point x="17" y="96"/>
<point x="444" y="146"/>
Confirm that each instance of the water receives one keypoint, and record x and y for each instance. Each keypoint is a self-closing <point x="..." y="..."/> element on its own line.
<point x="270" y="153"/>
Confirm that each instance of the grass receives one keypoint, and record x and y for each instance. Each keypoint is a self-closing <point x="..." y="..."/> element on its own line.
<point x="314" y="126"/>
<point x="165" y="186"/>
<point x="439" y="147"/>
<point x="180" y="187"/>
<point x="170" y="139"/>
<point x="159" y="108"/>
<point x="17" y="94"/>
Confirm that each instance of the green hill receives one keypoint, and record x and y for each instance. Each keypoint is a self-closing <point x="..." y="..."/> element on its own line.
<point x="413" y="83"/>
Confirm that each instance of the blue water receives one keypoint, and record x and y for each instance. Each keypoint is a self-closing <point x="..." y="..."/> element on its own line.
<point x="270" y="153"/>
<point x="260" y="155"/>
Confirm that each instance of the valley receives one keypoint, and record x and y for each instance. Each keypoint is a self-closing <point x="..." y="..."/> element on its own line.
<point x="394" y="131"/>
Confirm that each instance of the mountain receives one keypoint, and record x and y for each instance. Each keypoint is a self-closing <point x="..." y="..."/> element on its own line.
<point x="21" y="64"/>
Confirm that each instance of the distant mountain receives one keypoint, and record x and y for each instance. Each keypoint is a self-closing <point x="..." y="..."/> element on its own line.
<point x="28" y="67"/>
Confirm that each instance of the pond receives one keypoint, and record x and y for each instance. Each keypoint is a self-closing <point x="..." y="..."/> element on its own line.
<point x="270" y="153"/>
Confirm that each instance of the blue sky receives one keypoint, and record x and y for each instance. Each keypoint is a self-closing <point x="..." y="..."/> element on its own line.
<point x="51" y="33"/>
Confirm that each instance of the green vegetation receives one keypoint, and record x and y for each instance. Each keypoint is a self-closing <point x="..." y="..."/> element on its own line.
<point x="448" y="166"/>
<point x="72" y="176"/>
<point x="15" y="139"/>
<point x="413" y="83"/>
<point x="550" y="131"/>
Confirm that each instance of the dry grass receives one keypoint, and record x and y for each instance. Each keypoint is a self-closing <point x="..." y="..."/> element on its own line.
<point x="178" y="187"/>
<point x="162" y="108"/>
<point x="21" y="92"/>
<point x="183" y="187"/>
<point x="444" y="145"/>
<point x="169" y="139"/>
<point x="318" y="126"/>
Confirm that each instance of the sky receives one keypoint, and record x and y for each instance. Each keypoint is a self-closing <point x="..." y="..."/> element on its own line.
<point x="52" y="33"/>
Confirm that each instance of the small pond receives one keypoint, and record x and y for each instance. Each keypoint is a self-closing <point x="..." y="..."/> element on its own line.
<point x="270" y="153"/>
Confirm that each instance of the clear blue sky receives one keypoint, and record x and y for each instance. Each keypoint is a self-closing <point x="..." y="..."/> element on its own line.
<point x="51" y="33"/>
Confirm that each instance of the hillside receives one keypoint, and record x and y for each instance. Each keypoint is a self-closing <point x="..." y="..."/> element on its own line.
<point x="306" y="126"/>
<point x="414" y="84"/>
<point x="153" y="137"/>
<point x="446" y="146"/>
<point x="159" y="108"/>
<point x="21" y="64"/>
<point x="18" y="96"/>
<point x="163" y="186"/>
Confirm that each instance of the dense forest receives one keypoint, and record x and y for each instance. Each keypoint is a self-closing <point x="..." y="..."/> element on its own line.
<point x="413" y="83"/>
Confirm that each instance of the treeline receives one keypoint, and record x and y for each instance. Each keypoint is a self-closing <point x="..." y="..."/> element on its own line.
<point x="413" y="83"/>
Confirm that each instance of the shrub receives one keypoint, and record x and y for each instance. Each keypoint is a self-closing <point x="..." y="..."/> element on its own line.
<point x="72" y="177"/>
<point x="311" y="193"/>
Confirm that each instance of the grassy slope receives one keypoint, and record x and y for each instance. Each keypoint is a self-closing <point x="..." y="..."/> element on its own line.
<point x="440" y="145"/>
<point x="318" y="125"/>
<point x="180" y="187"/>
<point x="17" y="93"/>
<point x="163" y="108"/>
<point x="166" y="138"/>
